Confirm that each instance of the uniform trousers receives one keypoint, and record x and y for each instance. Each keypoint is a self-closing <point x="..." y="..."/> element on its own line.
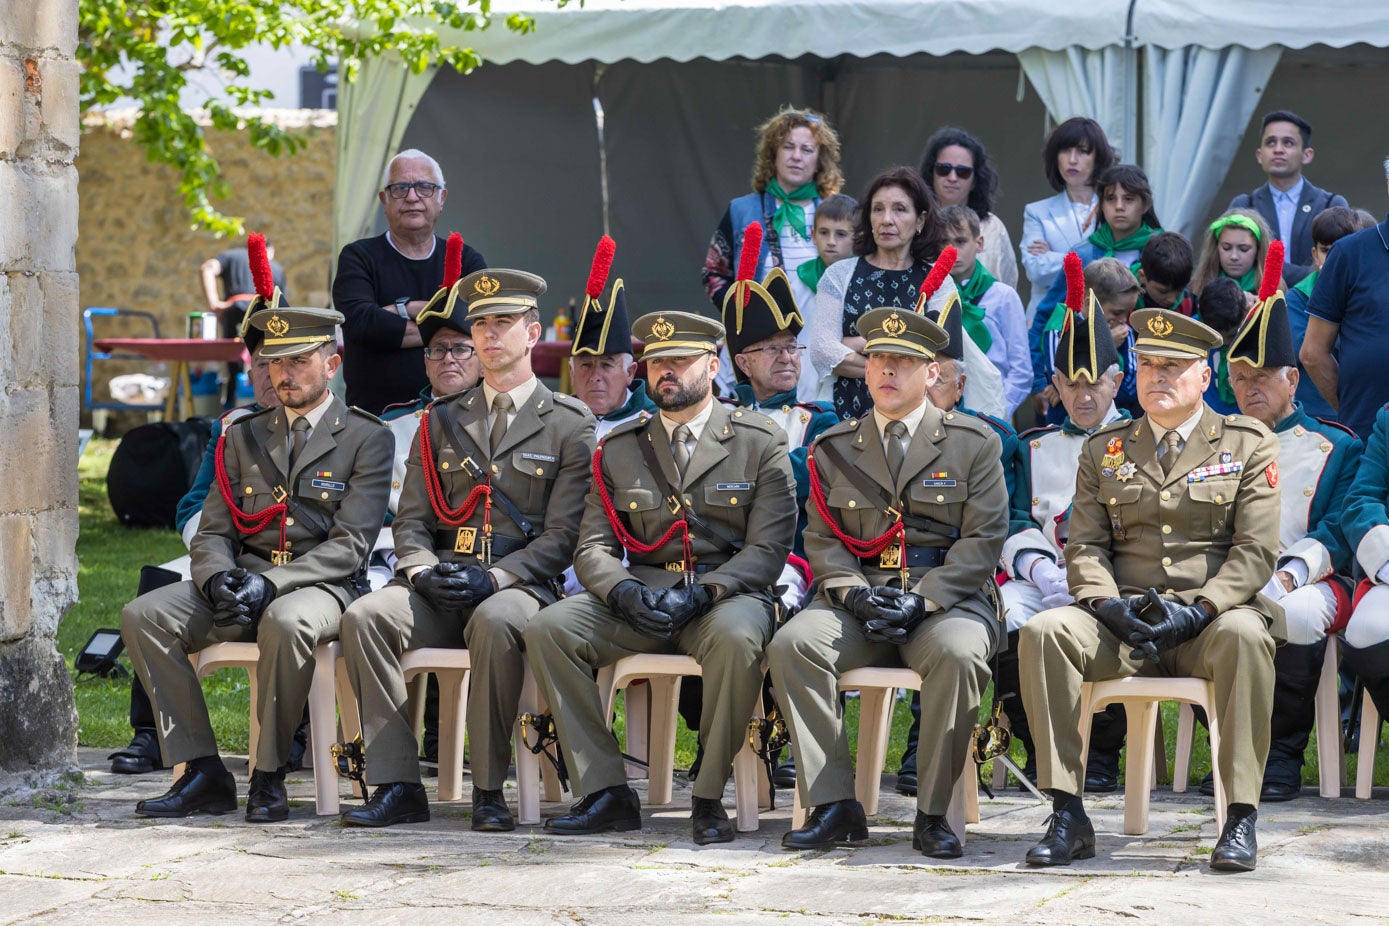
<point x="950" y="651"/>
<point x="570" y="640"/>
<point x="163" y="627"/>
<point x="380" y="627"/>
<point x="1062" y="648"/>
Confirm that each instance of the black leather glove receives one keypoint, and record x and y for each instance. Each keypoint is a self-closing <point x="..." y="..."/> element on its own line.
<point x="1165" y="624"/>
<point x="445" y="587"/>
<point x="859" y="602"/>
<point x="899" y="613"/>
<point x="636" y="604"/>
<point x="479" y="584"/>
<point x="1119" y="616"/>
<point x="241" y="598"/>
<point x="684" y="603"/>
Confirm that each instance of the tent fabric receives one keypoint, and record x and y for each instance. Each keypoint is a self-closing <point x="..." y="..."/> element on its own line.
<point x="1196" y="101"/>
<point x="1082" y="81"/>
<point x="1257" y="24"/>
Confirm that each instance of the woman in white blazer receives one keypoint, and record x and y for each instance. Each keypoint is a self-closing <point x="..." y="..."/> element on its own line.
<point x="1075" y="153"/>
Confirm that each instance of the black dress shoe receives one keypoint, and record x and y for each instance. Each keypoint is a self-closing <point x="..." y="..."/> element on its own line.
<point x="710" y="822"/>
<point x="906" y="782"/>
<point x="933" y="837"/>
<point x="490" y="813"/>
<point x="616" y="809"/>
<point x="267" y="802"/>
<point x="140" y="757"/>
<point x="397" y="802"/>
<point x="1208" y="785"/>
<point x="1101" y="782"/>
<point x="1237" y="849"/>
<point x="838" y="823"/>
<point x="785" y="774"/>
<point x="1275" y="792"/>
<point x="194" y="792"/>
<point x="1068" y="836"/>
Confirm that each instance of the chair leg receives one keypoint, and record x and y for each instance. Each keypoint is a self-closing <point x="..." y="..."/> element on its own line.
<point x="1222" y="800"/>
<point x="322" y="726"/>
<point x="1331" y="764"/>
<point x="665" y="697"/>
<point x="414" y="704"/>
<point x="1137" y="786"/>
<point x="746" y="773"/>
<point x="1369" y="740"/>
<point x="798" y="810"/>
<point x="969" y="781"/>
<point x="637" y="703"/>
<point x="255" y="719"/>
<point x="1159" y="751"/>
<point x="874" y="724"/>
<point x="453" y="708"/>
<point x="527" y="763"/>
<point x="1181" y="758"/>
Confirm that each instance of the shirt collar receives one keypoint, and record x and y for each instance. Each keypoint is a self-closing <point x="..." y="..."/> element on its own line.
<point x="433" y="244"/>
<point x="1184" y="430"/>
<point x="1293" y="194"/>
<point x="314" y="415"/>
<point x="696" y="425"/>
<point x="520" y="395"/>
<point x="912" y="420"/>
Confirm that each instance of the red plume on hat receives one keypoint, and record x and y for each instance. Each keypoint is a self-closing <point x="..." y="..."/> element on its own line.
<point x="1273" y="271"/>
<point x="1075" y="287"/>
<point x="939" y="271"/>
<point x="260" y="267"/>
<point x="747" y="257"/>
<point x="602" y="265"/>
<point x="453" y="261"/>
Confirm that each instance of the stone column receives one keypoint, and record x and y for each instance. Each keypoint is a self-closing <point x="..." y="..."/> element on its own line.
<point x="39" y="320"/>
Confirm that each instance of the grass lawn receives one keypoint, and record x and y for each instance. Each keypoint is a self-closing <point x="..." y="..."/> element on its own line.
<point x="110" y="557"/>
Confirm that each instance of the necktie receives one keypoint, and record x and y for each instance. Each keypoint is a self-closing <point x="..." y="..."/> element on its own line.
<point x="896" y="448"/>
<point x="680" y="447"/>
<point x="501" y="405"/>
<point x="299" y="431"/>
<point x="1172" y="441"/>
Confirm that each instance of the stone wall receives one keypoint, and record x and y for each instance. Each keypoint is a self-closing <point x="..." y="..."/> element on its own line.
<point x="137" y="251"/>
<point x="39" y="131"/>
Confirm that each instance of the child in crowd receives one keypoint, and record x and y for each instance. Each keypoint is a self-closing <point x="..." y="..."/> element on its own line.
<point x="1236" y="247"/>
<point x="1164" y="270"/>
<point x="991" y="311"/>
<point x="1224" y="304"/>
<point x="833" y="234"/>
<point x="1116" y="289"/>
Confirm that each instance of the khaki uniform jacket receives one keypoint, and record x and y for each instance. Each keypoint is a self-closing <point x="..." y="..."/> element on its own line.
<point x="343" y="476"/>
<point x="1195" y="533"/>
<point x="952" y="474"/>
<point x="542" y="465"/>
<point x="738" y="480"/>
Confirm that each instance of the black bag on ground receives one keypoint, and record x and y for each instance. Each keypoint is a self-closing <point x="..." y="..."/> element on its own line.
<point x="153" y="467"/>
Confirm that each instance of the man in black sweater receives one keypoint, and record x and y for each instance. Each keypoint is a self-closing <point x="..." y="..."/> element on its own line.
<point x="383" y="282"/>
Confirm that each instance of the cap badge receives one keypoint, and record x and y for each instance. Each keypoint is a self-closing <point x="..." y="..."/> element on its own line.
<point x="486" y="286"/>
<point x="662" y="329"/>
<point x="1159" y="326"/>
<point x="277" y="326"/>
<point x="893" y="325"/>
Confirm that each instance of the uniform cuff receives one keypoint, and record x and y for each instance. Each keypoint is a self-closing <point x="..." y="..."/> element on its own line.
<point x="1373" y="551"/>
<point x="1312" y="556"/>
<point x="1029" y="541"/>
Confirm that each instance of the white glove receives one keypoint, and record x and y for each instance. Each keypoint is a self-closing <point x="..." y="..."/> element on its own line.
<point x="1273" y="589"/>
<point x="1050" y="580"/>
<point x="1382" y="577"/>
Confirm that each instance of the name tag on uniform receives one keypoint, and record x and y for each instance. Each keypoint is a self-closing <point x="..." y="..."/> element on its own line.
<point x="734" y="486"/>
<point x="1205" y="472"/>
<point x="939" y="483"/>
<point x="542" y="457"/>
<point x="328" y="484"/>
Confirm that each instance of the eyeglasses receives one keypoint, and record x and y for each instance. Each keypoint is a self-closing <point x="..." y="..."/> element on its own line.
<point x="457" y="351"/>
<point x="944" y="169"/>
<point x="423" y="188"/>
<point x="787" y="350"/>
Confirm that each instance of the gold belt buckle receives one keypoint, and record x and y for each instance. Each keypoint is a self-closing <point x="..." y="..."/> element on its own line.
<point x="280" y="557"/>
<point x="891" y="557"/>
<point x="279" y="493"/>
<point x="467" y="538"/>
<point x="675" y="567"/>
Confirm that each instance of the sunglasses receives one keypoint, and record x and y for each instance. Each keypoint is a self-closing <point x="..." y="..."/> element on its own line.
<point x="945" y="168"/>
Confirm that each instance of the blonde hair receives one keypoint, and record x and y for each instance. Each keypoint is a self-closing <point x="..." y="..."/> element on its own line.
<point x="772" y="133"/>
<point x="1208" y="267"/>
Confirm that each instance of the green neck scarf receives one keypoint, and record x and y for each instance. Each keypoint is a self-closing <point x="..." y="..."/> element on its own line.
<point x="811" y="271"/>
<point x="1222" y="377"/>
<point x="1103" y="238"/>
<point x="972" y="317"/>
<point x="787" y="212"/>
<point x="1249" y="282"/>
<point x="1305" y="287"/>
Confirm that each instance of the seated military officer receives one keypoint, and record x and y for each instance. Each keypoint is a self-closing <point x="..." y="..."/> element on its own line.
<point x="601" y="366"/>
<point x="686" y="527"/>
<point x="276" y="560"/>
<point x="1086" y="375"/>
<point x="1317" y="463"/>
<point x="487" y="522"/>
<point x="1174" y="529"/>
<point x="909" y="513"/>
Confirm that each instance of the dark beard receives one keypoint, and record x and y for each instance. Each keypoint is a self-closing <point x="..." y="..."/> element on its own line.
<point x="682" y="398"/>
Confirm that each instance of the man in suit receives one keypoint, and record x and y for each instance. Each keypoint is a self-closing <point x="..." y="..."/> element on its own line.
<point x="275" y="560"/>
<point x="486" y="523"/>
<point x="686" y="527"/>
<point x="908" y="519"/>
<point x="1174" y="531"/>
<point x="1288" y="201"/>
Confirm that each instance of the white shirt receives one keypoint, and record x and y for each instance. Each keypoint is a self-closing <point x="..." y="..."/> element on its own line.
<point x="696" y="424"/>
<point x="1285" y="203"/>
<point x="520" y="395"/>
<point x="314" y="415"/>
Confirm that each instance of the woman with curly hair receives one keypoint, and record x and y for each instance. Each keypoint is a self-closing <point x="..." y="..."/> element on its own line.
<point x="961" y="174"/>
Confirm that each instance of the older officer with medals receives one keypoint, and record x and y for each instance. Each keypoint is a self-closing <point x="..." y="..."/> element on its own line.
<point x="686" y="527"/>
<point x="909" y="513"/>
<point x="601" y="366"/>
<point x="1174" y="530"/>
<point x="280" y="551"/>
<point x="487" y="522"/>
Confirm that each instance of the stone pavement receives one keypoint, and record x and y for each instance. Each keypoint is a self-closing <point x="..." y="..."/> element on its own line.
<point x="72" y="852"/>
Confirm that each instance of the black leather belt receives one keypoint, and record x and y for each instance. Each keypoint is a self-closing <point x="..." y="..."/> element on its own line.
<point x="916" y="556"/>
<point x="468" y="541"/>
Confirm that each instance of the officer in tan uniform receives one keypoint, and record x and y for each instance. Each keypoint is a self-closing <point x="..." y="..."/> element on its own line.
<point x="1174" y="531"/>
<point x="701" y="500"/>
<point x="908" y="516"/>
<point x="276" y="560"/>
<point x="486" y="523"/>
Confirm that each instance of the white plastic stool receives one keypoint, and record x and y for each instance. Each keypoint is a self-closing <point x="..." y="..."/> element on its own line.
<point x="1369" y="742"/>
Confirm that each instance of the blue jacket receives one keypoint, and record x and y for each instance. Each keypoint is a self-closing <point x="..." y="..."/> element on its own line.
<point x="1365" y="518"/>
<point x="1322" y="457"/>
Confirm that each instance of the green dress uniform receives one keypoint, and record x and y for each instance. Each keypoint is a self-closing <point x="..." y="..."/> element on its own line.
<point x="951" y="493"/>
<point x="541" y="466"/>
<point x="341" y="481"/>
<point x="1206" y="530"/>
<point x="738" y="483"/>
